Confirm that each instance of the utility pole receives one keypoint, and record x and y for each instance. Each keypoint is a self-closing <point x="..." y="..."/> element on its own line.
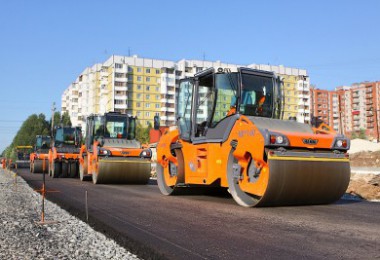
<point x="52" y="120"/>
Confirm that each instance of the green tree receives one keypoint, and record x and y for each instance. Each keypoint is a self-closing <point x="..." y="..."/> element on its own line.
<point x="142" y="133"/>
<point x="66" y="121"/>
<point x="362" y="134"/>
<point x="26" y="135"/>
<point x="354" y="135"/>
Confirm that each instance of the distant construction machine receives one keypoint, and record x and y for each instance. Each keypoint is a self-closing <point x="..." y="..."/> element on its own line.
<point x="23" y="155"/>
<point x="230" y="133"/>
<point x="64" y="153"/>
<point x="111" y="153"/>
<point x="39" y="159"/>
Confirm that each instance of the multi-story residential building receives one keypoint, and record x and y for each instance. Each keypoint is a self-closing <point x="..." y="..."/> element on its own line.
<point x="147" y="87"/>
<point x="350" y="109"/>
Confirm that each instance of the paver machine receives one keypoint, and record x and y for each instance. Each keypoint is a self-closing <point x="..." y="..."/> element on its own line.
<point x="39" y="159"/>
<point x="231" y="133"/>
<point x="23" y="155"/>
<point x="64" y="152"/>
<point x="111" y="153"/>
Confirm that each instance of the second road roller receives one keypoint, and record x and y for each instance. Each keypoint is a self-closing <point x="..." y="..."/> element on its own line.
<point x="231" y="133"/>
<point x="39" y="159"/>
<point x="111" y="153"/>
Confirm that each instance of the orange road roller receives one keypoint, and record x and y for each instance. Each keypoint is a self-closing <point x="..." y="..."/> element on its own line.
<point x="39" y="159"/>
<point x="230" y="133"/>
<point x="111" y="154"/>
<point x="64" y="152"/>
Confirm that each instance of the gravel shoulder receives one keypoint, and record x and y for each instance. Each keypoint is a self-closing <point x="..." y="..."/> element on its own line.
<point x="66" y="237"/>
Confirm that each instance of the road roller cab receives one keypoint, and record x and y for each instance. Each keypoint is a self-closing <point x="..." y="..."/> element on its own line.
<point x="111" y="153"/>
<point x="23" y="155"/>
<point x="64" y="153"/>
<point x="231" y="133"/>
<point x="39" y="159"/>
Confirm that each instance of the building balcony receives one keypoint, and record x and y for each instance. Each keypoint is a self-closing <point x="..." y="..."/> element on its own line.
<point x="123" y="88"/>
<point x="355" y="101"/>
<point x="121" y="97"/>
<point x="121" y="106"/>
<point x="121" y="70"/>
<point x="167" y="100"/>
<point x="168" y="118"/>
<point x="168" y="109"/>
<point x="121" y="80"/>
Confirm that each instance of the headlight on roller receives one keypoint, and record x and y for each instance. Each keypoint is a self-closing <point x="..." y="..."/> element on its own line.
<point x="276" y="139"/>
<point x="147" y="153"/>
<point x="104" y="152"/>
<point x="341" y="143"/>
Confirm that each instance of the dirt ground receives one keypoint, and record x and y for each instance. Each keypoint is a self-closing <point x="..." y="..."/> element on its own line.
<point x="366" y="186"/>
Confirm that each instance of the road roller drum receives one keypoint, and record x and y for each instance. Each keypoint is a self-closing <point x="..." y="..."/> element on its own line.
<point x="122" y="171"/>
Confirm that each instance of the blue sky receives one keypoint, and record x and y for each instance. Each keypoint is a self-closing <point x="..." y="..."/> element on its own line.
<point x="45" y="45"/>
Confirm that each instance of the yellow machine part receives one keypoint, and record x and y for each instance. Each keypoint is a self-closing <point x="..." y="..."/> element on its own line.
<point x="122" y="171"/>
<point x="304" y="181"/>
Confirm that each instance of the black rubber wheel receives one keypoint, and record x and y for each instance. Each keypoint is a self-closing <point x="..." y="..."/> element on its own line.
<point x="73" y="169"/>
<point x="242" y="198"/>
<point x="161" y="182"/>
<point x="65" y="170"/>
<point x="56" y="170"/>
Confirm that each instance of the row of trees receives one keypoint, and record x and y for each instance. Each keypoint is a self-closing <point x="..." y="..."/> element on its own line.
<point x="32" y="126"/>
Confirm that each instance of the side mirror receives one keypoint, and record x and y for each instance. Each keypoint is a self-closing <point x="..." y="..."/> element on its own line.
<point x="156" y="124"/>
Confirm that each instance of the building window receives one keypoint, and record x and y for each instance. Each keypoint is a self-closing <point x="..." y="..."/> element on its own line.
<point x="147" y="114"/>
<point x="157" y="89"/>
<point x="147" y="105"/>
<point x="138" y="113"/>
<point x="138" y="87"/>
<point x="138" y="69"/>
<point x="147" y="70"/>
<point x="157" y="105"/>
<point x="138" y="96"/>
<point x="147" y="88"/>
<point x="147" y="96"/>
<point x="138" y="104"/>
<point x="119" y="75"/>
<point x="157" y="71"/>
<point x="139" y="78"/>
<point x="130" y="69"/>
<point x="118" y="66"/>
<point x="157" y="97"/>
<point x="148" y="79"/>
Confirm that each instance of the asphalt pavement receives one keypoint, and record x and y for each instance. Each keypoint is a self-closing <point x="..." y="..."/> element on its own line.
<point x="210" y="225"/>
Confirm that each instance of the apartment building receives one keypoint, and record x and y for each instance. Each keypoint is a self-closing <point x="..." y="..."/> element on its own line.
<point x="147" y="87"/>
<point x="350" y="109"/>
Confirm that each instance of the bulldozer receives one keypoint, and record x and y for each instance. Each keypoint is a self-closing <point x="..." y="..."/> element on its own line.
<point x="231" y="133"/>
<point x="39" y="159"/>
<point x="64" y="152"/>
<point x="111" y="154"/>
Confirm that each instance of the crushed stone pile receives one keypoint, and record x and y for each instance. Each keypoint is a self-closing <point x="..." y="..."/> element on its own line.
<point x="366" y="186"/>
<point x="23" y="238"/>
<point x="360" y="145"/>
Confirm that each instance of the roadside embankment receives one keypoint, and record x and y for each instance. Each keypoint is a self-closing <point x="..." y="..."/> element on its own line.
<point x="66" y="237"/>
